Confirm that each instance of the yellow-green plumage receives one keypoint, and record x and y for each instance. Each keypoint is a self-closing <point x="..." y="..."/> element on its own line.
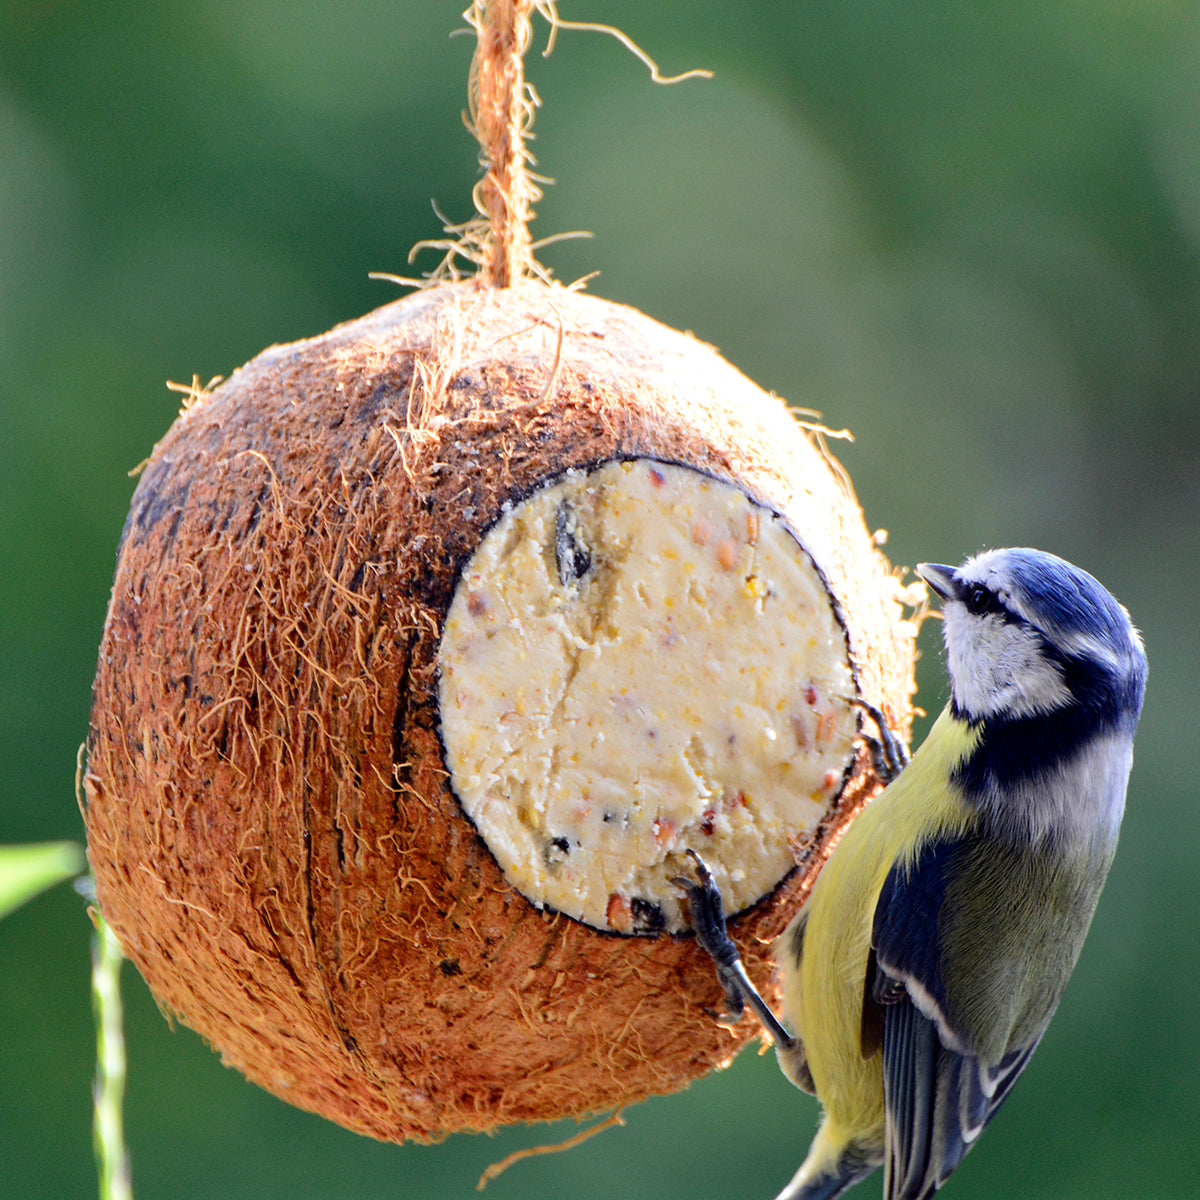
<point x="937" y="941"/>
<point x="823" y="991"/>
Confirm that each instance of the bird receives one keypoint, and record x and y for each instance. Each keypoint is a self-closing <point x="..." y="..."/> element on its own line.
<point x="922" y="971"/>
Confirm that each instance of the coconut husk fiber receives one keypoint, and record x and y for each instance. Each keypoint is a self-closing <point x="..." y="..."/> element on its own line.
<point x="269" y="822"/>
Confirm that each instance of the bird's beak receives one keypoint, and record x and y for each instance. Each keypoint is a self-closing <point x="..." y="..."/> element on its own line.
<point x="940" y="578"/>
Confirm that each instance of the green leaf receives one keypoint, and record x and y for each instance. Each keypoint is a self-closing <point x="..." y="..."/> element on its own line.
<point x="27" y="870"/>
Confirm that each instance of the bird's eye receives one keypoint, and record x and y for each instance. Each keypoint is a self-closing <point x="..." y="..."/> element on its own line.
<point x="979" y="601"/>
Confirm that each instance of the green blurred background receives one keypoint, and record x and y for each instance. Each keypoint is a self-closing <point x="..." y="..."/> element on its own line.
<point x="968" y="231"/>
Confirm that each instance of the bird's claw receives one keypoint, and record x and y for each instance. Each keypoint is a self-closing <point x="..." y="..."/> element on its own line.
<point x="889" y="755"/>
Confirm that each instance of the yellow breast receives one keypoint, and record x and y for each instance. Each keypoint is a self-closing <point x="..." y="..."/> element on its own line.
<point x="823" y="993"/>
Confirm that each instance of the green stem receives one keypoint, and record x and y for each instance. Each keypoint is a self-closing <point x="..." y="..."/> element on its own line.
<point x="108" y="1134"/>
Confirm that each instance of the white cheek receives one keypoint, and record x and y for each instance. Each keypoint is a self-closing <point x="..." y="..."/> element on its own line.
<point x="998" y="668"/>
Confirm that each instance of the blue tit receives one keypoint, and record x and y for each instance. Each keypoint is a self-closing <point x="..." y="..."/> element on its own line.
<point x="934" y="947"/>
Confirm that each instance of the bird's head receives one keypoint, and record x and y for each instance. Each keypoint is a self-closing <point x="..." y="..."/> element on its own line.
<point x="1028" y="634"/>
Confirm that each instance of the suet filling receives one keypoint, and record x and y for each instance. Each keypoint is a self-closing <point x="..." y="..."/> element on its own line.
<point x="639" y="659"/>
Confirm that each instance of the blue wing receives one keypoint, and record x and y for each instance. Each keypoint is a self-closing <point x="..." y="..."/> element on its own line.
<point x="939" y="1092"/>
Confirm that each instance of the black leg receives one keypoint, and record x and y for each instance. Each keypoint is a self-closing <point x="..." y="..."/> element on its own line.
<point x="708" y="921"/>
<point x="889" y="755"/>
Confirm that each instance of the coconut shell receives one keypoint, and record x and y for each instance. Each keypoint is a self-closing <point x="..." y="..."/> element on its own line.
<point x="269" y="822"/>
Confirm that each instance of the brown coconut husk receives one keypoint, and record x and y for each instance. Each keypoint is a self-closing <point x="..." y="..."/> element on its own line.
<point x="269" y="822"/>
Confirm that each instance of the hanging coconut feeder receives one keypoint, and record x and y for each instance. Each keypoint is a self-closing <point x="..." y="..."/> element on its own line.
<point x="435" y="644"/>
